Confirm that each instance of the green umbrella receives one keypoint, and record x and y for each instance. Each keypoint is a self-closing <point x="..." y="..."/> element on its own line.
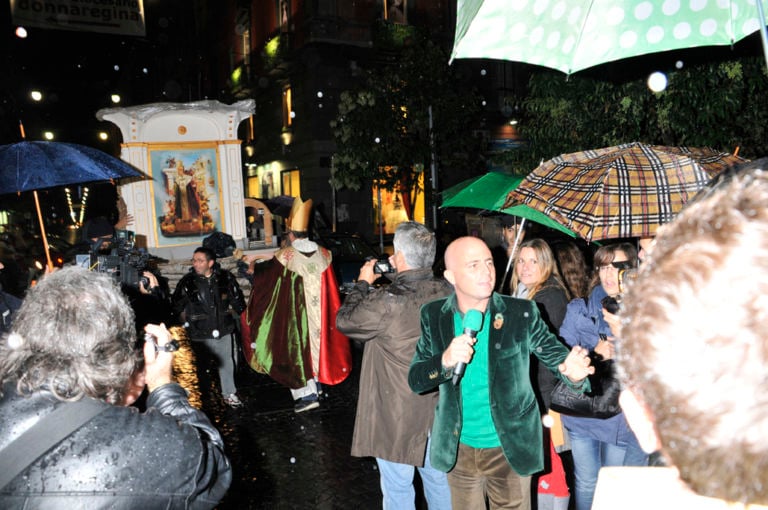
<point x="577" y="34"/>
<point x="489" y="192"/>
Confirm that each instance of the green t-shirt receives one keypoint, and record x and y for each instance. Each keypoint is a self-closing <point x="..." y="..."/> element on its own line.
<point x="477" y="429"/>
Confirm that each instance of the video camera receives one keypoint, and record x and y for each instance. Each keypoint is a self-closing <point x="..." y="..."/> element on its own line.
<point x="119" y="257"/>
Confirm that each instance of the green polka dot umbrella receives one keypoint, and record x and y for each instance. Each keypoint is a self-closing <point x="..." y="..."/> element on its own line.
<point x="617" y="192"/>
<point x="571" y="35"/>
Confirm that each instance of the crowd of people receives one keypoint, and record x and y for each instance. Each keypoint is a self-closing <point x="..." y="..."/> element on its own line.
<point x="549" y="385"/>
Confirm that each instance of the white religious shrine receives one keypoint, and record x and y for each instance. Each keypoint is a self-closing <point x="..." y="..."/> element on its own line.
<point x="191" y="155"/>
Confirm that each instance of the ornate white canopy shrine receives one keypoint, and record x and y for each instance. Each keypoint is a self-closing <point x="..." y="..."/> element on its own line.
<point x="192" y="154"/>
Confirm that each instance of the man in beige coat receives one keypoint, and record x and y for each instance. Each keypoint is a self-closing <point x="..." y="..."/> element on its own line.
<point x="392" y="422"/>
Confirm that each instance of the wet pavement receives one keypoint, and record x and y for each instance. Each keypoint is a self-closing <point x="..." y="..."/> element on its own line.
<point x="281" y="459"/>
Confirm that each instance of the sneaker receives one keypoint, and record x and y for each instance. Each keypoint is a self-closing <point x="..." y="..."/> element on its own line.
<point x="306" y="403"/>
<point x="233" y="401"/>
<point x="321" y="393"/>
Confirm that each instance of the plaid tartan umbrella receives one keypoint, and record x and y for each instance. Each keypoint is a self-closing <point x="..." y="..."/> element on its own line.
<point x="624" y="191"/>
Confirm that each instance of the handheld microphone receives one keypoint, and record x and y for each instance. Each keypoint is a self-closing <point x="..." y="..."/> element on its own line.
<point x="473" y="323"/>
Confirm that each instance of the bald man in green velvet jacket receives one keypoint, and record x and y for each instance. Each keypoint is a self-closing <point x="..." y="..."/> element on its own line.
<point x="487" y="432"/>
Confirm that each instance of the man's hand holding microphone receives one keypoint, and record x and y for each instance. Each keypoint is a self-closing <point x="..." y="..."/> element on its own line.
<point x="461" y="348"/>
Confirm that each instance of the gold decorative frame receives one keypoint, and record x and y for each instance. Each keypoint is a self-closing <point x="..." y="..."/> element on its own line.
<point x="186" y="195"/>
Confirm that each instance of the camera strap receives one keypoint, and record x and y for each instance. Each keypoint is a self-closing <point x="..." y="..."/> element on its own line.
<point x="49" y="431"/>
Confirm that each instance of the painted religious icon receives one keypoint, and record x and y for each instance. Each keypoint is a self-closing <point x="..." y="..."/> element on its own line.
<point x="186" y="193"/>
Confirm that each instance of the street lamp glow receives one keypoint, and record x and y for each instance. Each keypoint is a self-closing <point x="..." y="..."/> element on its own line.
<point x="103" y="135"/>
<point x="115" y="98"/>
<point x="36" y="95"/>
<point x="657" y="82"/>
<point x="48" y="135"/>
<point x="21" y="32"/>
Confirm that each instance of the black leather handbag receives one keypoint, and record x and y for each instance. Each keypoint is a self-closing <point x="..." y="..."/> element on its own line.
<point x="602" y="401"/>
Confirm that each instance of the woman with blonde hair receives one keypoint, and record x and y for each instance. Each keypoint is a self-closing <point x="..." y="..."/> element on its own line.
<point x="536" y="277"/>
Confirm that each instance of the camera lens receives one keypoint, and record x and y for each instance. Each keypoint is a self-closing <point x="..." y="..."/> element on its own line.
<point x="611" y="304"/>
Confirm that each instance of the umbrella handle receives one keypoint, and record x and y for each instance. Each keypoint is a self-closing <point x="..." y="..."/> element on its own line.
<point x="42" y="232"/>
<point x="511" y="258"/>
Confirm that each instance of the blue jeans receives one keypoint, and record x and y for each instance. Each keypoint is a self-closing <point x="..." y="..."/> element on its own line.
<point x="397" y="485"/>
<point x="589" y="455"/>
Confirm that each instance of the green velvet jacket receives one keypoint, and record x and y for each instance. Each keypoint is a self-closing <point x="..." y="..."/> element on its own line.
<point x="517" y="331"/>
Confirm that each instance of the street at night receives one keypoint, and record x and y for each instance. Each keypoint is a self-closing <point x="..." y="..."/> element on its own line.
<point x="284" y="460"/>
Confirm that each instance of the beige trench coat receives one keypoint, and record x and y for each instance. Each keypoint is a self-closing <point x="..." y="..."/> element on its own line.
<point x="392" y="422"/>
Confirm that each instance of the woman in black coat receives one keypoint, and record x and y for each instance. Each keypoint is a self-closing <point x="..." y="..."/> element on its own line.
<point x="536" y="277"/>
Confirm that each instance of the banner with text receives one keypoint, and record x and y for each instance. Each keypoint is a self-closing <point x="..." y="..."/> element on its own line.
<point x="124" y="17"/>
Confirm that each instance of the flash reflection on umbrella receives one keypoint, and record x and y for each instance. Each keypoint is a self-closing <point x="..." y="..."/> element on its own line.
<point x="574" y="35"/>
<point x="624" y="191"/>
<point x="30" y="166"/>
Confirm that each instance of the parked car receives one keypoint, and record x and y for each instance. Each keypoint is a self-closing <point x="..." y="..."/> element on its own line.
<point x="349" y="251"/>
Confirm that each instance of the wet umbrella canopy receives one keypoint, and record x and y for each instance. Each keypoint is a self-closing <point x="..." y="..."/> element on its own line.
<point x="489" y="192"/>
<point x="279" y="205"/>
<point x="30" y="166"/>
<point x="624" y="191"/>
<point x="577" y="34"/>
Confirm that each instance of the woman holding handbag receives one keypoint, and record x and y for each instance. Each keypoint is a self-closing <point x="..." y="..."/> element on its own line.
<point x="604" y="439"/>
<point x="536" y="277"/>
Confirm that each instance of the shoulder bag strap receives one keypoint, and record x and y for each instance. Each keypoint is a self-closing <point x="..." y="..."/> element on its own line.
<point x="44" y="435"/>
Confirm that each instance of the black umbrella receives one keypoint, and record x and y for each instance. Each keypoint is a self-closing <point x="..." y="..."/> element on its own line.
<point x="279" y="205"/>
<point x="30" y="166"/>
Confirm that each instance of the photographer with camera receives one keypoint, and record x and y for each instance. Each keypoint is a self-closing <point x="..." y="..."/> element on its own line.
<point x="598" y="441"/>
<point x="68" y="368"/>
<point x="393" y="423"/>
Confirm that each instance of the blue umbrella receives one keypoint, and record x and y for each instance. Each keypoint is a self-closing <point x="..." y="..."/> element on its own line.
<point x="30" y="166"/>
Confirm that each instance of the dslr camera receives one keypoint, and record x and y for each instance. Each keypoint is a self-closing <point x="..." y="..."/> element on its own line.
<point x="382" y="265"/>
